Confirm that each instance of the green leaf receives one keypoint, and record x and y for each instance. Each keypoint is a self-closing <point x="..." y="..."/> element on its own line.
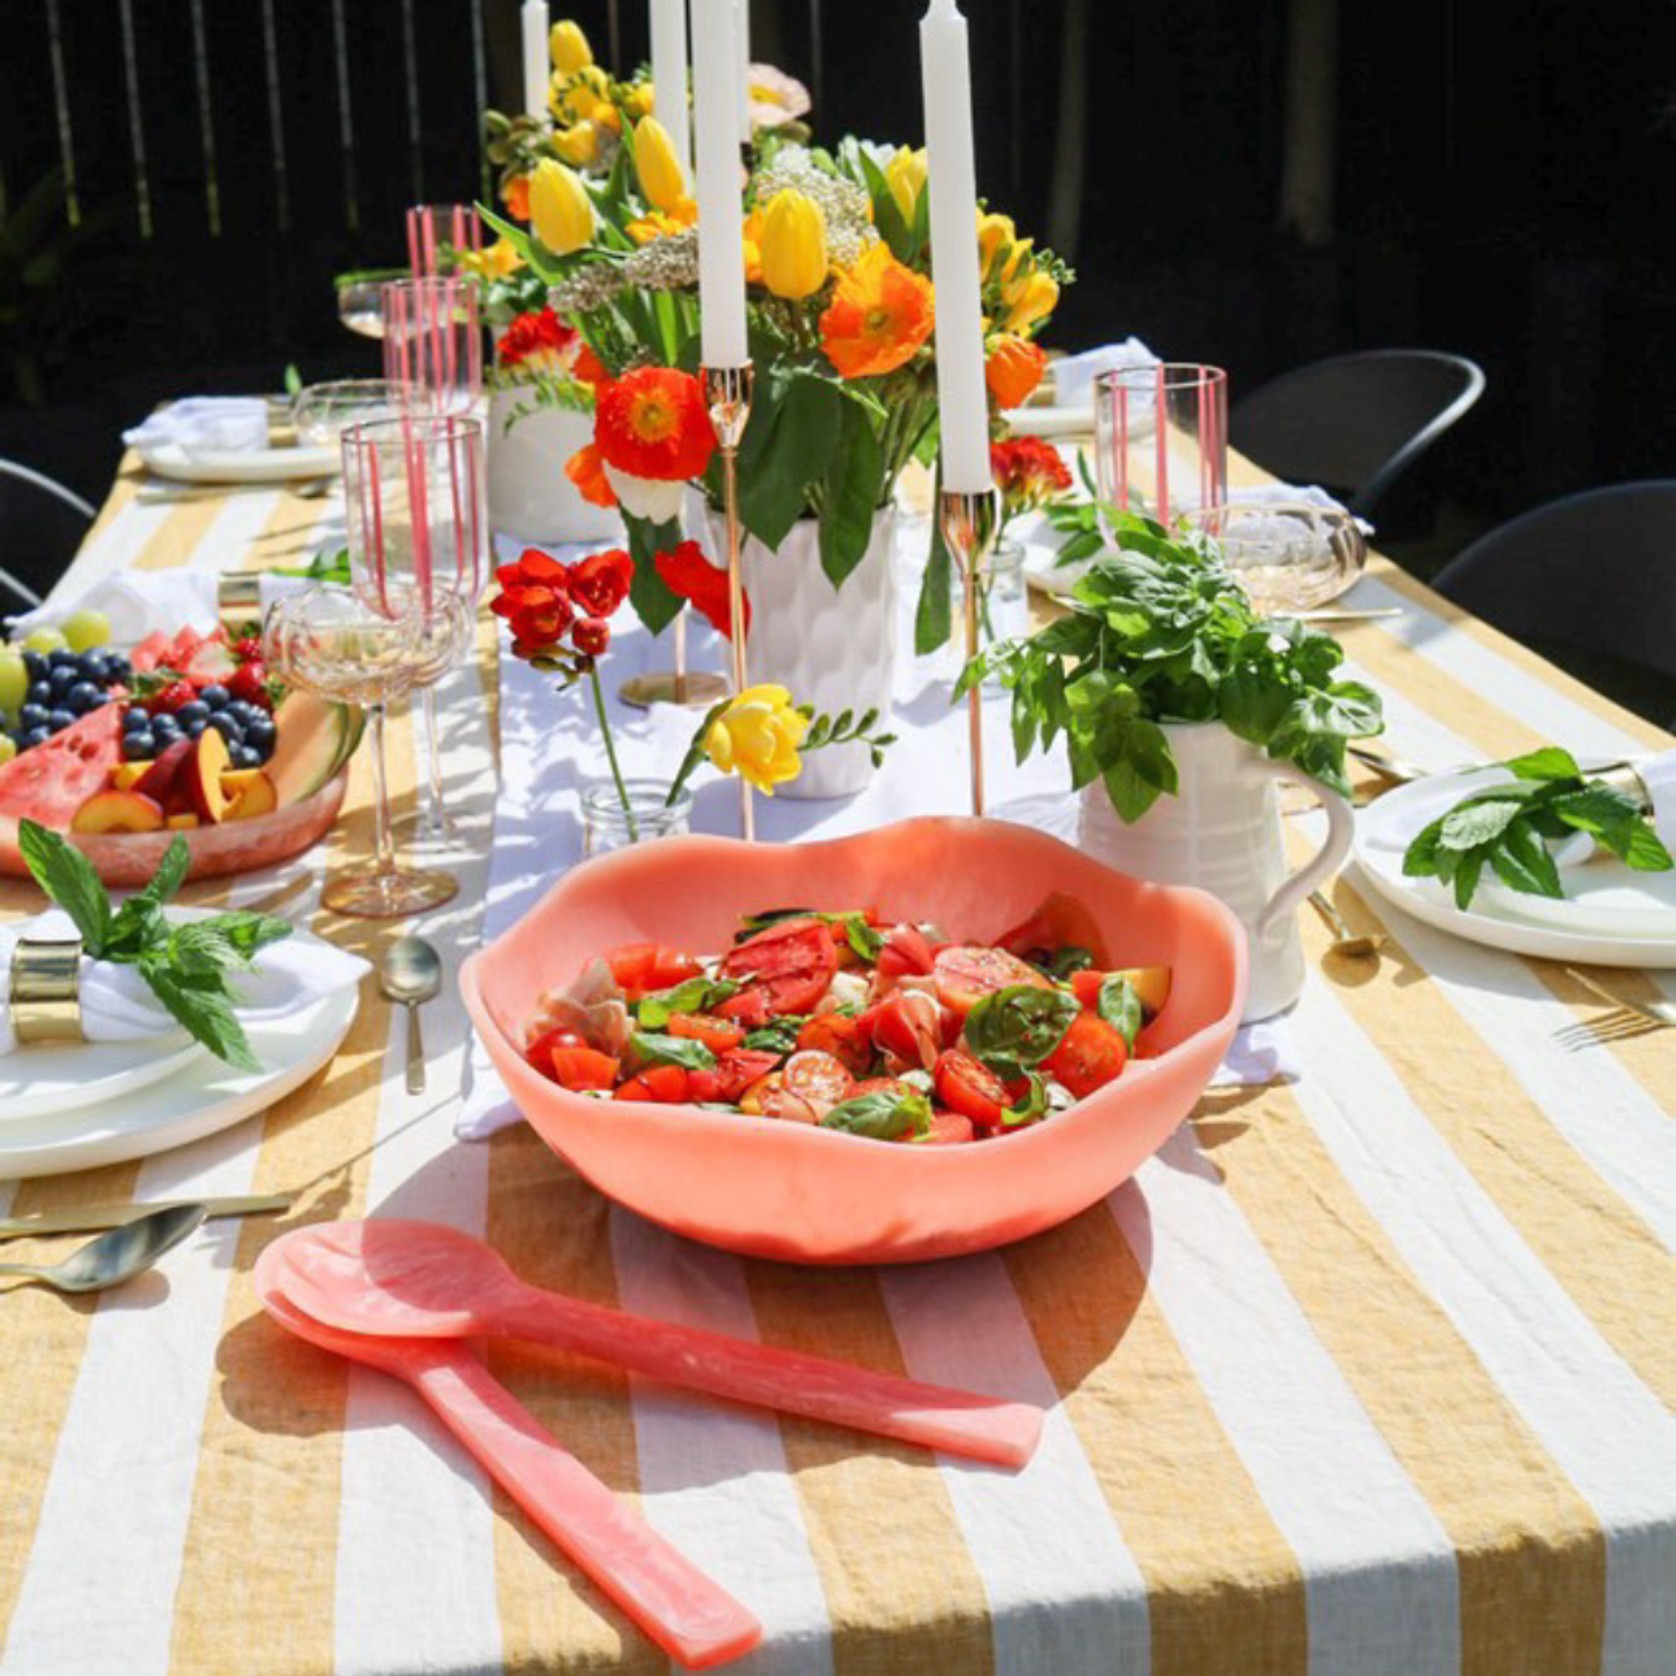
<point x="865" y="940"/>
<point x="68" y="879"/>
<point x="200" y="1004"/>
<point x="654" y="602"/>
<point x="774" y="482"/>
<point x="854" y="471"/>
<point x="1018" y="1027"/>
<point x="934" y="615"/>
<point x="884" y="1115"/>
<point x="696" y="995"/>
<point x="1465" y="880"/>
<point x="1548" y="763"/>
<point x="1120" y="1007"/>
<point x="1030" y="1106"/>
<point x="777" y="1036"/>
<point x="1420" y="859"/>
<point x="647" y="1047"/>
<point x="1476" y="823"/>
<point x="1523" y="863"/>
<point x="1064" y="961"/>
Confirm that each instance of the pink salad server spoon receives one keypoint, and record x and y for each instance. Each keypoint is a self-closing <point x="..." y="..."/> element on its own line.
<point x="423" y="1280"/>
<point x="691" y="1617"/>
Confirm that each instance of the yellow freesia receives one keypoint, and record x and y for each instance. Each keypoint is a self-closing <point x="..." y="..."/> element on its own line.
<point x="905" y="175"/>
<point x="660" y="225"/>
<point x="577" y="144"/>
<point x="568" y="47"/>
<point x="1016" y="267"/>
<point x="582" y="95"/>
<point x="794" y="260"/>
<point x="497" y="262"/>
<point x="640" y="100"/>
<point x="757" y="736"/>
<point x="1035" y="298"/>
<point x="995" y="234"/>
<point x="560" y="208"/>
<point x="655" y="162"/>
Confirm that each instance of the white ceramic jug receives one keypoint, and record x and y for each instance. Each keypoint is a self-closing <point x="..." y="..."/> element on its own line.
<point x="1222" y="832"/>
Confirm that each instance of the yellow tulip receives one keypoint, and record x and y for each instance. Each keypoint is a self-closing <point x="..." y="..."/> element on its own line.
<point x="905" y="175"/>
<point x="1035" y="300"/>
<point x="568" y="47"/>
<point x="655" y="162"/>
<point x="560" y="208"/>
<point x="995" y="234"/>
<point x="756" y="737"/>
<point x="793" y="245"/>
<point x="577" y="145"/>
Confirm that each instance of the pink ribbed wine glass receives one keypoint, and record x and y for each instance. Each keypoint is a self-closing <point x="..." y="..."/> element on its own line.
<point x="1161" y="438"/>
<point x="437" y="235"/>
<point x="433" y="342"/>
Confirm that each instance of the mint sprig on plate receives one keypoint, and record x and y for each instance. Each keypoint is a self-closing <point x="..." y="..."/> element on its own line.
<point x="1507" y="827"/>
<point x="189" y="967"/>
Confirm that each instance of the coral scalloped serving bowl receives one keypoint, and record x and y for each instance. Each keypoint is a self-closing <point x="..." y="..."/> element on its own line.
<point x="809" y="1195"/>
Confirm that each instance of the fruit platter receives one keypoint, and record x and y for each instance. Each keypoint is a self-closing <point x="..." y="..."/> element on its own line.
<point x="184" y="733"/>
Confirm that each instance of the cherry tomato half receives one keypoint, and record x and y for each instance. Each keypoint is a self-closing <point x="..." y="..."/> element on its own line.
<point x="967" y="972"/>
<point x="582" y="1067"/>
<point x="949" y="1129"/>
<point x="736" y="1071"/>
<point x="790" y="964"/>
<point x="717" y="1034"/>
<point x="818" y="1077"/>
<point x="642" y="968"/>
<point x="968" y="1086"/>
<point x="1091" y="1055"/>
<point x="847" y="1039"/>
<point x="664" y="1085"/>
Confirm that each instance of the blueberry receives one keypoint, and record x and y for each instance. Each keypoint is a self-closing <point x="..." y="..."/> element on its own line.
<point x="138" y="747"/>
<point x="245" y="711"/>
<point x="91" y="666"/>
<point x="164" y="728"/>
<point x="118" y="669"/>
<point x="136" y="720"/>
<point x="63" y="677"/>
<point x="84" y="696"/>
<point x="195" y="726"/>
<point x="196" y="711"/>
<point x="216" y="697"/>
<point x="246" y="756"/>
<point x="261" y="732"/>
<point x="40" y="692"/>
<point x="34" y="736"/>
<point x="36" y="664"/>
<point x="63" y="658"/>
<point x="229" y="727"/>
<point x="58" y="720"/>
<point x="32" y="715"/>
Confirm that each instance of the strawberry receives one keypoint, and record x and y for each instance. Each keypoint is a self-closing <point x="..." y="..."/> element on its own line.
<point x="248" y="650"/>
<point x="250" y="682"/>
<point x="167" y="700"/>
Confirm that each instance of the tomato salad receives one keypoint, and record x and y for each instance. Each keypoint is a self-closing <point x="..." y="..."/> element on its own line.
<point x="841" y="1020"/>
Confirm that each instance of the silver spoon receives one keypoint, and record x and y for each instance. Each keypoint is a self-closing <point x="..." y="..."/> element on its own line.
<point x="410" y="975"/>
<point x="119" y="1255"/>
<point x="1345" y="941"/>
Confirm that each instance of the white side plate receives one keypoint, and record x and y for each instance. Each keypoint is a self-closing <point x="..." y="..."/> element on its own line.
<point x="240" y="465"/>
<point x="38" y="1081"/>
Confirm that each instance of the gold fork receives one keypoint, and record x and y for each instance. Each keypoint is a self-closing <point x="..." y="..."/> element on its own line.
<point x="1661" y="1013"/>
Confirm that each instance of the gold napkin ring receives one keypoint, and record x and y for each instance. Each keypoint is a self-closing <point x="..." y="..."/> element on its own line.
<point x="239" y="596"/>
<point x="45" y="991"/>
<point x="1625" y="777"/>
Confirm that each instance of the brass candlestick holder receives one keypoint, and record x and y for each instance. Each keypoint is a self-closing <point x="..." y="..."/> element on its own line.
<point x="727" y="390"/>
<point x="693" y="690"/>
<point x="970" y="523"/>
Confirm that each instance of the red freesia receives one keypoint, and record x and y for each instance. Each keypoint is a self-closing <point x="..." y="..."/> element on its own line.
<point x="591" y="636"/>
<point x="540" y="342"/>
<point x="688" y="573"/>
<point x="1028" y="472"/>
<point x="653" y="423"/>
<point x="600" y="583"/>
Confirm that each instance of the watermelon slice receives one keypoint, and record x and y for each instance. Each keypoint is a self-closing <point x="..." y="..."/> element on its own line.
<point x="51" y="781"/>
<point x="149" y="653"/>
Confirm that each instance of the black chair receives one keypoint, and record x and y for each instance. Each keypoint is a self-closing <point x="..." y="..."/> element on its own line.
<point x="1595" y="572"/>
<point x="40" y="521"/>
<point x="1354" y="424"/>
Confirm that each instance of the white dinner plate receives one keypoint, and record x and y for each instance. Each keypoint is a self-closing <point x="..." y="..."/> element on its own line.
<point x="239" y="465"/>
<point x="202" y="1097"/>
<point x="54" y="1076"/>
<point x="1611" y="915"/>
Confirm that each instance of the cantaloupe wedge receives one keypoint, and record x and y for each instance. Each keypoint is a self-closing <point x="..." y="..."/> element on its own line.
<point x="316" y="738"/>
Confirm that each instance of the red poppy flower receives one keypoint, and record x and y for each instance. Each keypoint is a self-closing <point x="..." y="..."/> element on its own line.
<point x="591" y="636"/>
<point x="539" y="342"/>
<point x="688" y="573"/>
<point x="600" y="583"/>
<point x="653" y="422"/>
<point x="585" y="470"/>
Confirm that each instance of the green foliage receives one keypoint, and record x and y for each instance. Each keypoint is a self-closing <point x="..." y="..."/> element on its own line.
<point x="1160" y="632"/>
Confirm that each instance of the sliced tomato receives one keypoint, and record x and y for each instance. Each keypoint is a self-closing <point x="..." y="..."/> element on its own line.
<point x="769" y="1097"/>
<point x="748" y="1008"/>
<point x="642" y="968"/>
<point x="906" y="953"/>
<point x="847" y="1039"/>
<point x="540" y="1052"/>
<point x="881" y="1085"/>
<point x="948" y="1129"/>
<point x="818" y="1077"/>
<point x="583" y="1067"/>
<point x="703" y="1086"/>
<point x="1085" y="985"/>
<point x="967" y="972"/>
<point x="717" y="1034"/>
<point x="1060" y="922"/>
<point x="968" y="1086"/>
<point x="790" y="964"/>
<point x="1091" y="1055"/>
<point x="736" y="1071"/>
<point x="909" y="1024"/>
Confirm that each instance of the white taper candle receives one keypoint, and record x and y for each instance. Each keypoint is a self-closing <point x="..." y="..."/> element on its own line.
<point x="742" y="46"/>
<point x="963" y="413"/>
<point x="669" y="77"/>
<point x="721" y="249"/>
<point x="537" y="66"/>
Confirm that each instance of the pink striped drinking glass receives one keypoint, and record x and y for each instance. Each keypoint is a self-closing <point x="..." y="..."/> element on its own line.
<point x="419" y="546"/>
<point x="1161" y="438"/>
<point x="437" y="235"/>
<point x="433" y="343"/>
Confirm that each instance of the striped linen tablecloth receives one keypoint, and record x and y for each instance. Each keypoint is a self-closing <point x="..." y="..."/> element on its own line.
<point x="1367" y="1374"/>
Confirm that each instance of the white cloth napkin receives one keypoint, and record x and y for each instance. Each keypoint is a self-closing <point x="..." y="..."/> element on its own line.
<point x="139" y="602"/>
<point x="203" y="424"/>
<point x="1074" y="375"/>
<point x="118" y="1006"/>
<point x="1658" y="775"/>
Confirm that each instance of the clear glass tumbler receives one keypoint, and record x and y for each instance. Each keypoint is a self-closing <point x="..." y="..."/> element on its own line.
<point x="1161" y="438"/>
<point x="607" y="825"/>
<point x="433" y="342"/>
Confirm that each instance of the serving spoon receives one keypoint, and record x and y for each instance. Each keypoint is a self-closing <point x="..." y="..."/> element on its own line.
<point x="119" y="1255"/>
<point x="425" y="1280"/>
<point x="686" y="1612"/>
<point x="410" y="975"/>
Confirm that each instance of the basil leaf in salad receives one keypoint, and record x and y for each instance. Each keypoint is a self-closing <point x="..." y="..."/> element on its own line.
<point x="647" y="1047"/>
<point x="777" y="1036"/>
<point x="1033" y="1104"/>
<point x="884" y="1115"/>
<point x="1018" y="1027"/>
<point x="862" y="938"/>
<point x="696" y="995"/>
<point x="1064" y="961"/>
<point x="1120" y="1007"/>
<point x="751" y="924"/>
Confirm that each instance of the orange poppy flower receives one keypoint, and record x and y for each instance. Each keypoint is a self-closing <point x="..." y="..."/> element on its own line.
<point x="653" y="422"/>
<point x="880" y="314"/>
<point x="587" y="368"/>
<point x="515" y="194"/>
<point x="587" y="471"/>
<point x="1014" y="369"/>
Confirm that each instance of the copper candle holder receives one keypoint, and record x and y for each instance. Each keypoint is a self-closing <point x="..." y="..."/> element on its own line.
<point x="970" y="523"/>
<point x="727" y="390"/>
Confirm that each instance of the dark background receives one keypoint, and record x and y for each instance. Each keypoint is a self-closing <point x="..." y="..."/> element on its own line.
<point x="1501" y="186"/>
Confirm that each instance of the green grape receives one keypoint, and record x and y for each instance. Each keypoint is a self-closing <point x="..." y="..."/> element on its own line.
<point x="86" y="629"/>
<point x="44" y="640"/>
<point x="8" y="747"/>
<point x="14" y="680"/>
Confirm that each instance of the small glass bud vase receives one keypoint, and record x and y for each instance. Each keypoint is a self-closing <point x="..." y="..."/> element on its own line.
<point x="607" y="825"/>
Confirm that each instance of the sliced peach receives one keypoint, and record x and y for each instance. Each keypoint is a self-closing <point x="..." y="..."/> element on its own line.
<point x="159" y="775"/>
<point x="126" y="775"/>
<point x="182" y="823"/>
<point x="201" y="777"/>
<point x="256" y="796"/>
<point x="1151" y="985"/>
<point x="118" y="811"/>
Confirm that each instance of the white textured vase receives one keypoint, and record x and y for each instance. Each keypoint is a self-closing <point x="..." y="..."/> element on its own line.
<point x="1222" y="832"/>
<point x="530" y="498"/>
<point x="834" y="648"/>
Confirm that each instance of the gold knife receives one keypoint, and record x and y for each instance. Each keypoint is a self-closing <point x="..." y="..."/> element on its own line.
<point x="93" y="1217"/>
